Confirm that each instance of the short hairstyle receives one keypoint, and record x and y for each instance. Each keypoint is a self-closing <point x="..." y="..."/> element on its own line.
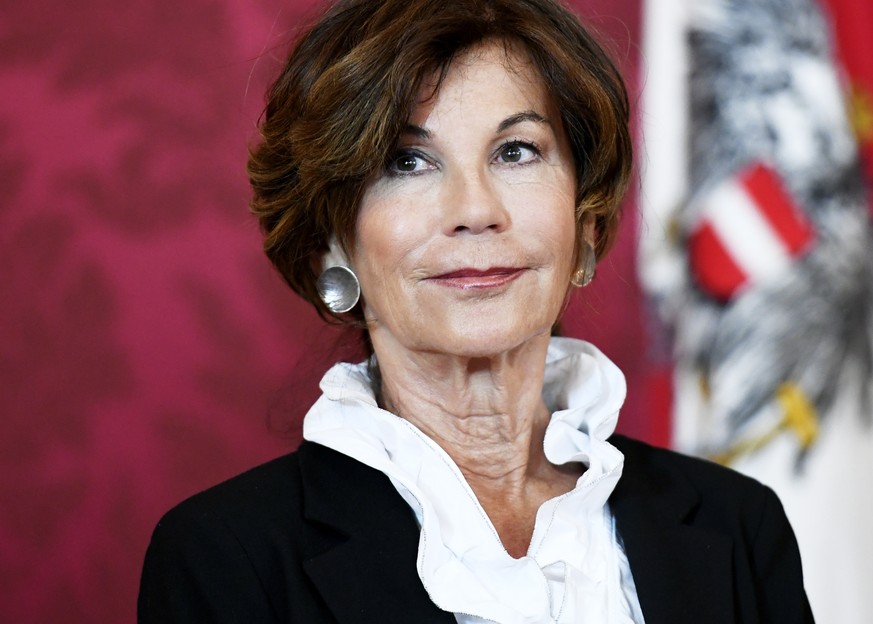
<point x="339" y="106"/>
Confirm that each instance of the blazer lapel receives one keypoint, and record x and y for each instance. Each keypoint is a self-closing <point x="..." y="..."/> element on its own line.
<point x="682" y="573"/>
<point x="369" y="574"/>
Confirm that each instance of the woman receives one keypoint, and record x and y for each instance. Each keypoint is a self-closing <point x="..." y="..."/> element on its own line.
<point x="443" y="174"/>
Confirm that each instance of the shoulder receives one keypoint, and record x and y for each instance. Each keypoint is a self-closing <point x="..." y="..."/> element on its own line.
<point x="291" y="507"/>
<point x="661" y="470"/>
<point x="660" y="460"/>
<point x="237" y="551"/>
<point x="267" y="493"/>
<point x="710" y="518"/>
<point x="208" y="555"/>
<point x="231" y="527"/>
<point x="670" y="487"/>
<point x="262" y="506"/>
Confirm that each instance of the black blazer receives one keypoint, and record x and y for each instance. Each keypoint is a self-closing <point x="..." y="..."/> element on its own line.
<point x="316" y="536"/>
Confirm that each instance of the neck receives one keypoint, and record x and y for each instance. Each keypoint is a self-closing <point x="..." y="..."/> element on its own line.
<point x="488" y="414"/>
<point x="485" y="412"/>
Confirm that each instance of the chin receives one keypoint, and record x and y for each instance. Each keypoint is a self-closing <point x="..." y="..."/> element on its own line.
<point x="488" y="339"/>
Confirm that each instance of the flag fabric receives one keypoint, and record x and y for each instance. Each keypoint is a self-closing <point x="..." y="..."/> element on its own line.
<point x="748" y="231"/>
<point x="853" y="25"/>
<point x="757" y="253"/>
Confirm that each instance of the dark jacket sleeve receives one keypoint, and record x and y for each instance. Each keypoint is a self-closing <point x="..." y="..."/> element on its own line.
<point x="776" y="567"/>
<point x="196" y="570"/>
<point x="705" y="543"/>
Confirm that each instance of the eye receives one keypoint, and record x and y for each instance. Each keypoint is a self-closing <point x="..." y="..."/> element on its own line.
<point x="407" y="162"/>
<point x="517" y="153"/>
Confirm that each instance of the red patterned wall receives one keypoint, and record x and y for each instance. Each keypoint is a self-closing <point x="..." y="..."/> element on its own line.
<point x="148" y="351"/>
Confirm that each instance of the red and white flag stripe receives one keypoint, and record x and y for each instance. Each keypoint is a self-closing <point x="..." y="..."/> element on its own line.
<point x="750" y="231"/>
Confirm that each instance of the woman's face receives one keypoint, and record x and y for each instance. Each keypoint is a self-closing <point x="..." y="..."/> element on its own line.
<point x="465" y="241"/>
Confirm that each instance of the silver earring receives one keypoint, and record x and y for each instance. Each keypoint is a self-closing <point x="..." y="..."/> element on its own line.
<point x="339" y="288"/>
<point x="584" y="272"/>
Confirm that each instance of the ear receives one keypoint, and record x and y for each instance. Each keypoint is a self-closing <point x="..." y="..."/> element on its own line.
<point x="589" y="233"/>
<point x="334" y="256"/>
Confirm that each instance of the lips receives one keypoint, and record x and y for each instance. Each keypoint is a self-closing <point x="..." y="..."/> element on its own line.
<point x="470" y="278"/>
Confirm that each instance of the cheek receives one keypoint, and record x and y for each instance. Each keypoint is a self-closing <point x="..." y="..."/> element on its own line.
<point x="387" y="237"/>
<point x="564" y="249"/>
<point x="548" y="217"/>
<point x="563" y="225"/>
<point x="373" y="232"/>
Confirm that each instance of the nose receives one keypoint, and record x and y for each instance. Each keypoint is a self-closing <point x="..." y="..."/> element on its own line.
<point x="473" y="205"/>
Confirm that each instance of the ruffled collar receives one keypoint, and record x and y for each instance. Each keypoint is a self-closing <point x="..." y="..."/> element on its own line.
<point x="461" y="561"/>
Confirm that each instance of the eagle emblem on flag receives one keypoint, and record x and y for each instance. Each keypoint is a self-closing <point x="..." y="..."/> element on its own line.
<point x="773" y="311"/>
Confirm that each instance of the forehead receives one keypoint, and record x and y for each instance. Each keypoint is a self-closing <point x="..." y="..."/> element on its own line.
<point x="492" y="77"/>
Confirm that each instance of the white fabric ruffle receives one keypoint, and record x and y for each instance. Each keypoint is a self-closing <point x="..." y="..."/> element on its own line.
<point x="575" y="569"/>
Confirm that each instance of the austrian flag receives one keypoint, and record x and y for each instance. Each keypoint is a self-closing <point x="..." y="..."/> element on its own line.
<point x="757" y="251"/>
<point x="749" y="232"/>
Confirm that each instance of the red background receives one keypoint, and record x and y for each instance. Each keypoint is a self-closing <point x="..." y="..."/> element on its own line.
<point x="148" y="350"/>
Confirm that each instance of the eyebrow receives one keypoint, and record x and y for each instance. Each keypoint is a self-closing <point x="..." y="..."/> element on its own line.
<point x="510" y="121"/>
<point x="416" y="131"/>
<point x="518" y="118"/>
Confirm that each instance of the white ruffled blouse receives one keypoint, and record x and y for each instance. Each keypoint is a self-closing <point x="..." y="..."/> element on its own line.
<point x="575" y="569"/>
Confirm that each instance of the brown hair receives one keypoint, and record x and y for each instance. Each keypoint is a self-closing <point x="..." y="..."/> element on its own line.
<point x="340" y="104"/>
